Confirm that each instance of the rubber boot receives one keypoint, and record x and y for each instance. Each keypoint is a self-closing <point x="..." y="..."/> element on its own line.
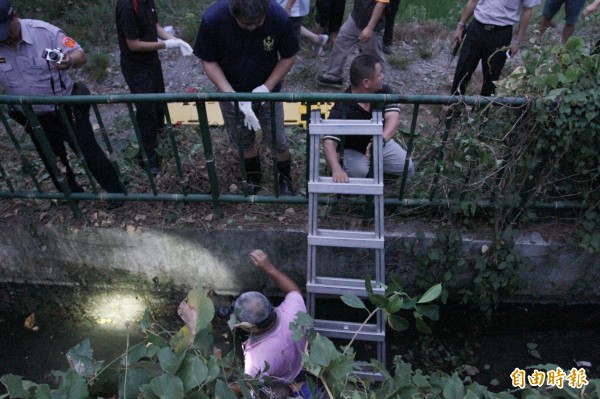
<point x="253" y="175"/>
<point x="285" y="177"/>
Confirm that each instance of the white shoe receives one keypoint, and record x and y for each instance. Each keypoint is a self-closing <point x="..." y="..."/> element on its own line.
<point x="318" y="48"/>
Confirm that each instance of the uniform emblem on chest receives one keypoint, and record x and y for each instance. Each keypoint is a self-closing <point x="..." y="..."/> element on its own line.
<point x="268" y="43"/>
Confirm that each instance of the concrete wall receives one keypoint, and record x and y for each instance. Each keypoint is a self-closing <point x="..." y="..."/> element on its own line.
<point x="218" y="260"/>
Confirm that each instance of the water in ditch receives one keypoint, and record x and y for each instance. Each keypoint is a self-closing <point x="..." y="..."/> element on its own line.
<point x="517" y="335"/>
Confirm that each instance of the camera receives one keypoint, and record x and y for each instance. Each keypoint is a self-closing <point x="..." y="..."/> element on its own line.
<point x="53" y="55"/>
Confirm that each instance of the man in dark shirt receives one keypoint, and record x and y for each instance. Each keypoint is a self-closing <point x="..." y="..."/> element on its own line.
<point x="250" y="46"/>
<point x="138" y="31"/>
<point x="366" y="77"/>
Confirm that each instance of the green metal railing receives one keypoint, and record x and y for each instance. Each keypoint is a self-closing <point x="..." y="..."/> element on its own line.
<point x="9" y="190"/>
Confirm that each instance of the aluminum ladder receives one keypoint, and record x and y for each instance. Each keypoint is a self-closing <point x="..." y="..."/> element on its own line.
<point x="318" y="237"/>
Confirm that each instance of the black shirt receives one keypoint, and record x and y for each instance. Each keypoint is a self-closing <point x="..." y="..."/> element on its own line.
<point x="352" y="110"/>
<point x="136" y="24"/>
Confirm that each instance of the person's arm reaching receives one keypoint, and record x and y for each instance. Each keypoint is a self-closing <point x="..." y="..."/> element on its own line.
<point x="283" y="282"/>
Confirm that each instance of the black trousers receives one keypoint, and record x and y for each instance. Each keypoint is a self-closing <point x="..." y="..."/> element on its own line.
<point x="56" y="133"/>
<point x="145" y="79"/>
<point x="390" y="15"/>
<point x="330" y="15"/>
<point x="481" y="43"/>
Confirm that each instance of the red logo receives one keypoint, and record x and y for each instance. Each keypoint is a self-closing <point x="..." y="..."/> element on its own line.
<point x="68" y="42"/>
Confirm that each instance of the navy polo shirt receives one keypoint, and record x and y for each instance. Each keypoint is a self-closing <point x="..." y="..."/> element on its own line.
<point x="247" y="58"/>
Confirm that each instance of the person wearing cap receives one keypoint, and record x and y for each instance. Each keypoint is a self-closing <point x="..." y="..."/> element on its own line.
<point x="270" y="341"/>
<point x="25" y="71"/>
<point x="138" y="32"/>
<point x="488" y="39"/>
<point x="249" y="46"/>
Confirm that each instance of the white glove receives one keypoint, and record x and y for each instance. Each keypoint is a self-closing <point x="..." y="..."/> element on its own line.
<point x="185" y="48"/>
<point x="250" y="119"/>
<point x="261" y="89"/>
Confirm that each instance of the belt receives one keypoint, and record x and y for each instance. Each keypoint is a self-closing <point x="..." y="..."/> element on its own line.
<point x="492" y="27"/>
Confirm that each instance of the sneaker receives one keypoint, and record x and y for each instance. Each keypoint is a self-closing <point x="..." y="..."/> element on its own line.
<point x="318" y="48"/>
<point x="387" y="48"/>
<point x="327" y="80"/>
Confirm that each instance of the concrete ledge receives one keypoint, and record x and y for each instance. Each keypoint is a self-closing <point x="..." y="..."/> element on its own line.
<point x="218" y="260"/>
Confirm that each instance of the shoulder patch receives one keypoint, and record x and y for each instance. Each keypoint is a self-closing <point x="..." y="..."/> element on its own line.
<point x="68" y="42"/>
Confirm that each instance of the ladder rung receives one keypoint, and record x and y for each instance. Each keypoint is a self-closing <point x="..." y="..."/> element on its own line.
<point x="347" y="330"/>
<point x="345" y="238"/>
<point x="326" y="185"/>
<point x="340" y="286"/>
<point x="363" y="374"/>
<point x="346" y="128"/>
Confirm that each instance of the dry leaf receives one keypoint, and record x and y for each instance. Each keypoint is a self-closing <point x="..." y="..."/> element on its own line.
<point x="29" y="322"/>
<point x="290" y="211"/>
<point x="484" y="248"/>
<point x="209" y="217"/>
<point x="140" y="217"/>
<point x="130" y="229"/>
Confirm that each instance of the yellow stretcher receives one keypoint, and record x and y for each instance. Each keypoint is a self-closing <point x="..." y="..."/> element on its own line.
<point x="295" y="114"/>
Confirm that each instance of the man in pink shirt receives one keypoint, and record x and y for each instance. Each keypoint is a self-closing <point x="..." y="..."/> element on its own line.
<point x="270" y="340"/>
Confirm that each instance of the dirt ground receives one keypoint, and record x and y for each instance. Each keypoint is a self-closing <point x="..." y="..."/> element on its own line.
<point x="421" y="63"/>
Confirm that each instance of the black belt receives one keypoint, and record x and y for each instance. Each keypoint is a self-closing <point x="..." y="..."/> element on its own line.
<point x="492" y="27"/>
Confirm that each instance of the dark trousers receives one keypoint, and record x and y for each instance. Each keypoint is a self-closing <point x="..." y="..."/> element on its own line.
<point x="481" y="43"/>
<point x="330" y="15"/>
<point x="56" y="134"/>
<point x="145" y="79"/>
<point x="390" y="15"/>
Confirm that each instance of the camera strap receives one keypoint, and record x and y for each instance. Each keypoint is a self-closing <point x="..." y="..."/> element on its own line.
<point x="62" y="84"/>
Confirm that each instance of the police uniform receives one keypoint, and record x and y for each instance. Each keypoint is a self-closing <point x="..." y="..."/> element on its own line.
<point x="142" y="70"/>
<point x="24" y="72"/>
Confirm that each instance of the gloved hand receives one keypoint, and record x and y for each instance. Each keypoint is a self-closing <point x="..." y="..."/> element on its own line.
<point x="261" y="89"/>
<point x="185" y="48"/>
<point x="250" y="119"/>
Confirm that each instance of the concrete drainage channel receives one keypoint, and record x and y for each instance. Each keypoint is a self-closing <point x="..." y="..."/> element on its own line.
<point x="67" y="277"/>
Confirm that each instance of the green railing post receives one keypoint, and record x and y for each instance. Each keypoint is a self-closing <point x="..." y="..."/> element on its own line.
<point x="24" y="161"/>
<point x="112" y="156"/>
<point x="274" y="148"/>
<point x="76" y="148"/>
<point x="142" y="149"/>
<point x="209" y="156"/>
<point x="40" y="136"/>
<point x="409" y="150"/>
<point x="182" y="180"/>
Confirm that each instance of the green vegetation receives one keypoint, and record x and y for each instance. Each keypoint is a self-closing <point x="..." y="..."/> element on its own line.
<point x="184" y="364"/>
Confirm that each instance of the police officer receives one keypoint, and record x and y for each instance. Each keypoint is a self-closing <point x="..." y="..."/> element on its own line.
<point x="24" y="71"/>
